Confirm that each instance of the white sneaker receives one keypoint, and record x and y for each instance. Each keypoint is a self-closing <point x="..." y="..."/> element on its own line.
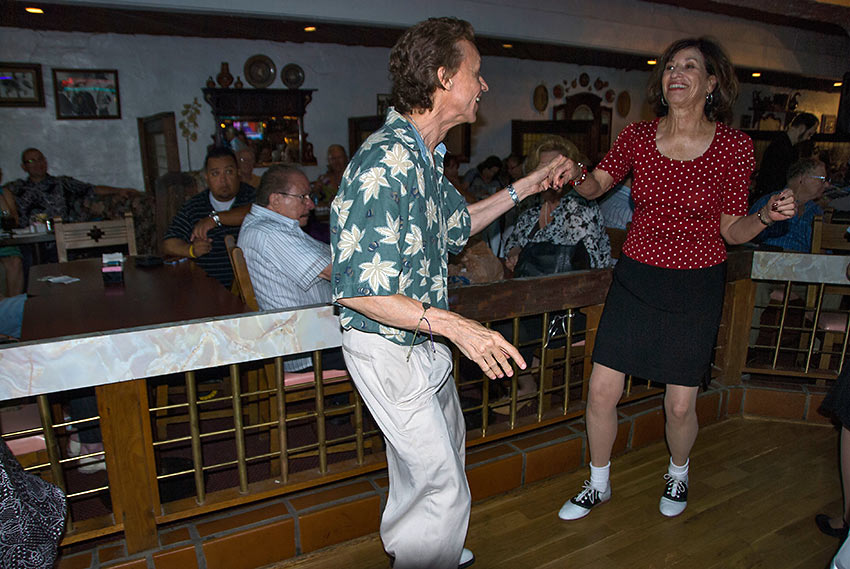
<point x="675" y="498"/>
<point x="466" y="559"/>
<point x="579" y="506"/>
<point x="89" y="464"/>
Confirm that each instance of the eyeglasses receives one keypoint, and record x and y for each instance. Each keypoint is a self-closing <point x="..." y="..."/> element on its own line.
<point x="33" y="160"/>
<point x="302" y="197"/>
<point x="824" y="179"/>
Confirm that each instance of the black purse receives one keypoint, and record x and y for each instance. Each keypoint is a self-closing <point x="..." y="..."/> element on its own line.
<point x="547" y="258"/>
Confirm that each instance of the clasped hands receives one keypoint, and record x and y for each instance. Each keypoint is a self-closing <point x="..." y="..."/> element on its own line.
<point x="201" y="243"/>
<point x="554" y="174"/>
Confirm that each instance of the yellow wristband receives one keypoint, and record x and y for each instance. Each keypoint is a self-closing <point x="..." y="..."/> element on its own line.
<point x="192" y="250"/>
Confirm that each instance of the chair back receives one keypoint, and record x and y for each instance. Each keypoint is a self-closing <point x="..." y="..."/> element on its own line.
<point x="241" y="278"/>
<point x="828" y="236"/>
<point x="617" y="237"/>
<point x="90" y="234"/>
<point x="171" y="190"/>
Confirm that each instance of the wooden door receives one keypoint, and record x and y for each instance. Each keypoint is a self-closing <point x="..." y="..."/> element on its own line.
<point x="158" y="143"/>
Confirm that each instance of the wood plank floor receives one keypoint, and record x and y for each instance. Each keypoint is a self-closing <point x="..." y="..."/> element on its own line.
<point x="755" y="489"/>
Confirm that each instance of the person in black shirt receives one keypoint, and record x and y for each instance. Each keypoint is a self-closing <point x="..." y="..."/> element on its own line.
<point x="198" y="229"/>
<point x="781" y="154"/>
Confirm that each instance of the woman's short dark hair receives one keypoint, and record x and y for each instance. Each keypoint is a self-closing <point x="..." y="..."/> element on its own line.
<point x="489" y="162"/>
<point x="716" y="63"/>
<point x="418" y="54"/>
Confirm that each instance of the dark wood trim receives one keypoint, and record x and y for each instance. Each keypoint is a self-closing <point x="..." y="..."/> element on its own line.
<point x="80" y="18"/>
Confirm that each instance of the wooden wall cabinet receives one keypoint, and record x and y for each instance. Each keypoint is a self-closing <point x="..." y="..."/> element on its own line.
<point x="281" y="112"/>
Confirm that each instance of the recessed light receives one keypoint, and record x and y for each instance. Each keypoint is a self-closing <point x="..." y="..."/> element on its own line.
<point x="756" y="74"/>
<point x="837" y="84"/>
<point x="651" y="62"/>
<point x="33" y="10"/>
<point x="310" y="29"/>
<point x="507" y="45"/>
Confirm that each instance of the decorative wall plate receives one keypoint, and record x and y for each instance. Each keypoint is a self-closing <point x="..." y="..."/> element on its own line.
<point x="259" y="71"/>
<point x="557" y="91"/>
<point x="540" y="98"/>
<point x="292" y="75"/>
<point x="584" y="79"/>
<point x="609" y="95"/>
<point x="624" y="103"/>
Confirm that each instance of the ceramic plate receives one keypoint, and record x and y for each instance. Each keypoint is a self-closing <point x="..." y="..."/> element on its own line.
<point x="292" y="75"/>
<point x="259" y="71"/>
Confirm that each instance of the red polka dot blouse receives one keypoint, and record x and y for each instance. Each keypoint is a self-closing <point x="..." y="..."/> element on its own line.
<point x="676" y="222"/>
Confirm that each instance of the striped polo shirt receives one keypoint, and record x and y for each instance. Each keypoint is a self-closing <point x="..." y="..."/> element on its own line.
<point x="215" y="263"/>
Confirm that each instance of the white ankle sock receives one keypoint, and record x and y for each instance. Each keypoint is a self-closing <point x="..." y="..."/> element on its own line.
<point x="680" y="472"/>
<point x="599" y="476"/>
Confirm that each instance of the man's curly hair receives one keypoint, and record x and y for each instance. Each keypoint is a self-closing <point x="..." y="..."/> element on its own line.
<point x="418" y="54"/>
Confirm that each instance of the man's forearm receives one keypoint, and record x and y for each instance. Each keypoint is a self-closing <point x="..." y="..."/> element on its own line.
<point x="482" y="213"/>
<point x="234" y="216"/>
<point x="175" y="247"/>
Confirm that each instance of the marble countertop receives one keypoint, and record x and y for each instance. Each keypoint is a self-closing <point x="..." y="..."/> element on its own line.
<point x="34" y="368"/>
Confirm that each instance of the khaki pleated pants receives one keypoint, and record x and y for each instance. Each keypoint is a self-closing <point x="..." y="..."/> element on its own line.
<point x="416" y="405"/>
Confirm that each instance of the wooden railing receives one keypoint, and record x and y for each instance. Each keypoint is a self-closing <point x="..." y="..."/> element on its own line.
<point x="249" y="431"/>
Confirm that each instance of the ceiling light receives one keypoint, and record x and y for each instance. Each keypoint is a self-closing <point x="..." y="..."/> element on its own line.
<point x="651" y="62"/>
<point x="310" y="29"/>
<point x="837" y="84"/>
<point x="32" y="10"/>
<point x="507" y="45"/>
<point x="756" y="74"/>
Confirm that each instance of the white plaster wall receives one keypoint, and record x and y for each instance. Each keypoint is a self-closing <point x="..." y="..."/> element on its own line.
<point x="159" y="74"/>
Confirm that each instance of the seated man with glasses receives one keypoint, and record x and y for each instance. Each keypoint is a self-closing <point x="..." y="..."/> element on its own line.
<point x="288" y="268"/>
<point x="807" y="180"/>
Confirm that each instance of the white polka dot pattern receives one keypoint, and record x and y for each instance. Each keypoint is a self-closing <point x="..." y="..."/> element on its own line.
<point x="676" y="223"/>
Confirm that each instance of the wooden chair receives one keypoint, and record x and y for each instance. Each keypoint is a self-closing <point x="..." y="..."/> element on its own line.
<point x="90" y="234"/>
<point x="335" y="381"/>
<point x="617" y="237"/>
<point x="241" y="279"/>
<point x="828" y="237"/>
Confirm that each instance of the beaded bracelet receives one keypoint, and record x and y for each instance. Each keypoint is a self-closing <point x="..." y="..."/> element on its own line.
<point x="581" y="178"/>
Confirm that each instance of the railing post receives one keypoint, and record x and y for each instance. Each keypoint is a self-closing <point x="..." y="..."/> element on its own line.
<point x="128" y="443"/>
<point x="734" y="334"/>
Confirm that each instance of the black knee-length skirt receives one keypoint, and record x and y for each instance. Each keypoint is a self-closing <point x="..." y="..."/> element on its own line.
<point x="661" y="324"/>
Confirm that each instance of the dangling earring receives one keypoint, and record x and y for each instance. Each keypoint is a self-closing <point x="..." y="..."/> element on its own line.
<point x="709" y="99"/>
<point x="663" y="101"/>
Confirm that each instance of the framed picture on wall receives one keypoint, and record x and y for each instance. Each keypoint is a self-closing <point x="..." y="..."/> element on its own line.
<point x="827" y="124"/>
<point x="21" y="85"/>
<point x="86" y="94"/>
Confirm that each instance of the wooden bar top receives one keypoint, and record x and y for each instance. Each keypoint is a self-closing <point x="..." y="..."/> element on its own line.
<point x="148" y="296"/>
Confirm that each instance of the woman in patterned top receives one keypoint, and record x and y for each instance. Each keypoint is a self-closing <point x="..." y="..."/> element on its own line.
<point x="691" y="173"/>
<point x="562" y="217"/>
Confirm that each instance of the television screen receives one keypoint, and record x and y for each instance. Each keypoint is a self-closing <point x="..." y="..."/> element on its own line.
<point x="253" y="129"/>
